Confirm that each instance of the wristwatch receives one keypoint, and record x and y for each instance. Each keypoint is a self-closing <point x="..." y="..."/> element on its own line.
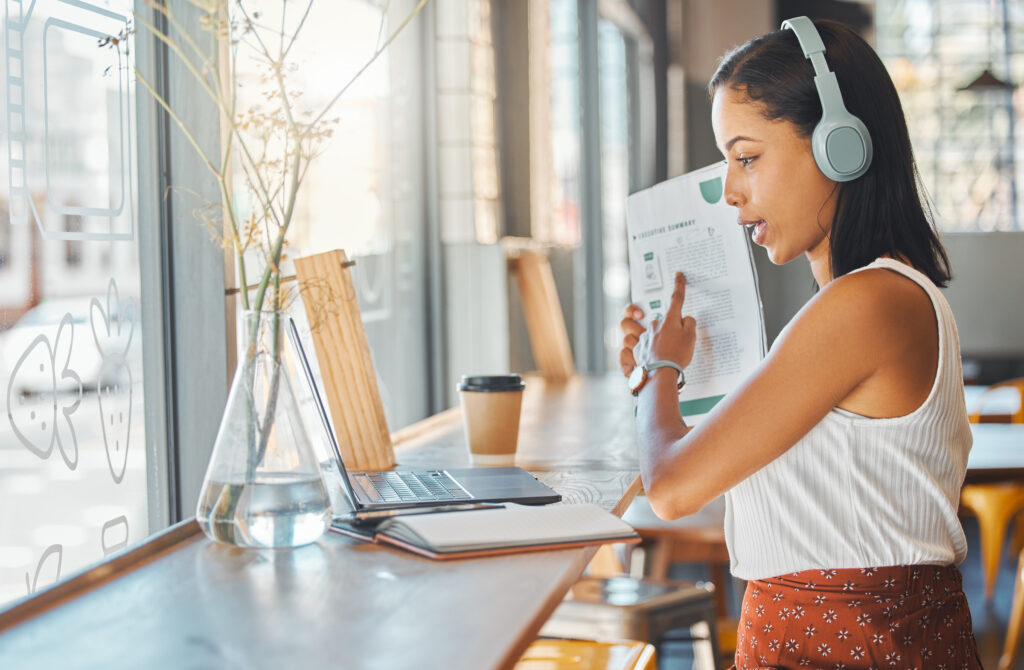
<point x="642" y="373"/>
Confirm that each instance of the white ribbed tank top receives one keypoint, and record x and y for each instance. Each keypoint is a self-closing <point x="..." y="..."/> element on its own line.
<point x="858" y="492"/>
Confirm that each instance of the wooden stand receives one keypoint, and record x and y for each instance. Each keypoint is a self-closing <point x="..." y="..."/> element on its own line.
<point x="350" y="383"/>
<point x="544" y="319"/>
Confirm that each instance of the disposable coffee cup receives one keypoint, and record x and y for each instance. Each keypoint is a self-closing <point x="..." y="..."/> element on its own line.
<point x="490" y="413"/>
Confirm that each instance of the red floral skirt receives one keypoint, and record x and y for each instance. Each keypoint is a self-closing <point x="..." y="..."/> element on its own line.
<point x="907" y="616"/>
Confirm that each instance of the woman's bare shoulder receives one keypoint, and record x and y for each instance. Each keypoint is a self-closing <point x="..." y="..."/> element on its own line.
<point x="871" y="309"/>
<point x="881" y="292"/>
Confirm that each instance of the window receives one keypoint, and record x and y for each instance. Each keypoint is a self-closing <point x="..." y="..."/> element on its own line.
<point x="364" y="192"/>
<point x="965" y="137"/>
<point x="615" y="180"/>
<point x="5" y="233"/>
<point x="72" y="247"/>
<point x="73" y="462"/>
<point x="563" y="226"/>
<point x="598" y="88"/>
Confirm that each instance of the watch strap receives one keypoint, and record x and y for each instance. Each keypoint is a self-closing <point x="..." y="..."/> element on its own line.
<point x="648" y="368"/>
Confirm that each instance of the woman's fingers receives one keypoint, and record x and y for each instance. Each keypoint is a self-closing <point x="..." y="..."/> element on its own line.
<point x="626" y="361"/>
<point x="675" y="306"/>
<point x="633" y="312"/>
<point x="630" y="340"/>
<point x="631" y="327"/>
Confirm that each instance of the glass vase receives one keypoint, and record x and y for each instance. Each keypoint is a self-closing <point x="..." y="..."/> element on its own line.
<point x="263" y="485"/>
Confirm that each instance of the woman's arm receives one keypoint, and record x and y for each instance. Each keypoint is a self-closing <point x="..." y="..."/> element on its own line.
<point x="854" y="328"/>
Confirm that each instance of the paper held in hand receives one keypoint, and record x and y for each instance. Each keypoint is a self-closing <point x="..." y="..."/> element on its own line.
<point x="684" y="225"/>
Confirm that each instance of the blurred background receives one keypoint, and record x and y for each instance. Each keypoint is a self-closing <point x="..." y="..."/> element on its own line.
<point x="485" y="120"/>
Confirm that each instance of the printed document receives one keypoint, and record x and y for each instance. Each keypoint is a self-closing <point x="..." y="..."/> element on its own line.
<point x="684" y="225"/>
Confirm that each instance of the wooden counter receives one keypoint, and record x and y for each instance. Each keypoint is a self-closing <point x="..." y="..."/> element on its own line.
<point x="181" y="601"/>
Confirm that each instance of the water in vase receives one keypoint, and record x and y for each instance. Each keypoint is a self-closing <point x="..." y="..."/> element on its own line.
<point x="277" y="510"/>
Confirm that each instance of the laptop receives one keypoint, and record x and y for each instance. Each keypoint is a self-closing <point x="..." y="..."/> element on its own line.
<point x="373" y="494"/>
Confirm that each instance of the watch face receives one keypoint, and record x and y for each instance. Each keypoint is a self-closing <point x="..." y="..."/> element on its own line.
<point x="636" y="378"/>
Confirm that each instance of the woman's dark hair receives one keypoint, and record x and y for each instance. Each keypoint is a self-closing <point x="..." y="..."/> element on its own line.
<point x="882" y="212"/>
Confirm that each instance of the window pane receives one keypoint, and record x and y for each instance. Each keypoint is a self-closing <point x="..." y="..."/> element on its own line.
<point x="966" y="140"/>
<point x="73" y="469"/>
<point x="364" y="191"/>
<point x="615" y="167"/>
<point x="565" y="83"/>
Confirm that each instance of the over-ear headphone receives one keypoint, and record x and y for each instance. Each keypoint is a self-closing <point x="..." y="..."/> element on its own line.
<point x="840" y="142"/>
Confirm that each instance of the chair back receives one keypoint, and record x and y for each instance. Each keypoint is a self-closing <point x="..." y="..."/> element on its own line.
<point x="1000" y="396"/>
<point x="343" y="352"/>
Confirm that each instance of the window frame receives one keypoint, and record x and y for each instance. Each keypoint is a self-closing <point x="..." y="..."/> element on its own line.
<point x="186" y="354"/>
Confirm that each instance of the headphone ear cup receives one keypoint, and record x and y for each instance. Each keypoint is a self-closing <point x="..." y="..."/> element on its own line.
<point x="819" y="147"/>
<point x="841" y="147"/>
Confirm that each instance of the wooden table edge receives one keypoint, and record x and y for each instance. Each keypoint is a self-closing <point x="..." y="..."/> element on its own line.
<point x="570" y="577"/>
<point x="156" y="545"/>
<point x="98" y="574"/>
<point x="188" y="530"/>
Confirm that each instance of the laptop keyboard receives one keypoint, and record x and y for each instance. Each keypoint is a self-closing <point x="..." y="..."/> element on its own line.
<point x="405" y="486"/>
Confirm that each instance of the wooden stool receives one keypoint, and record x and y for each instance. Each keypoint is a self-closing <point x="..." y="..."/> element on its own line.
<point x="545" y="320"/>
<point x="647" y="610"/>
<point x="552" y="654"/>
<point x="1013" y="629"/>
<point x="698" y="538"/>
<point x="995" y="504"/>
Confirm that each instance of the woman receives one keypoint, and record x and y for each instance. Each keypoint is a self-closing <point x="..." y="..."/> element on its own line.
<point x="842" y="456"/>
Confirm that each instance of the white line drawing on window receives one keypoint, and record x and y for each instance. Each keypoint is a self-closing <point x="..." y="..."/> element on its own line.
<point x="38" y="56"/>
<point x="120" y="67"/>
<point x="111" y="547"/>
<point x="40" y="429"/>
<point x="112" y="330"/>
<point x="33" y="584"/>
<point x="16" y="136"/>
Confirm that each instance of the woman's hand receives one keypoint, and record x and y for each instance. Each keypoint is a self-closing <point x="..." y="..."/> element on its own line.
<point x="631" y="330"/>
<point x="672" y="339"/>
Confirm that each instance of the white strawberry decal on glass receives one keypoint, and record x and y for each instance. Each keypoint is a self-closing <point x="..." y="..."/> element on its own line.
<point x="114" y="536"/>
<point x="45" y="421"/>
<point x="112" y="329"/>
<point x="47" y="569"/>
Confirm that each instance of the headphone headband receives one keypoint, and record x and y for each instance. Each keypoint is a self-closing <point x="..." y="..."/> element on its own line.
<point x="840" y="142"/>
<point x="810" y="42"/>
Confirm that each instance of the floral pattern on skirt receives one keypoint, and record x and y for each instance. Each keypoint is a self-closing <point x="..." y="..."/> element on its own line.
<point x="908" y="616"/>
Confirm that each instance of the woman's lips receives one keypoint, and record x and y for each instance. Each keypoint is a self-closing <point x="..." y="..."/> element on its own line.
<point x="758" y="229"/>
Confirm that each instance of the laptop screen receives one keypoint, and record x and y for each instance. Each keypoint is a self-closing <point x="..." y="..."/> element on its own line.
<point x="300" y="355"/>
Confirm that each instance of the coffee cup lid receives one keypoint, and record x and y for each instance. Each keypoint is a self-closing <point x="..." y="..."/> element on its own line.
<point x="491" y="383"/>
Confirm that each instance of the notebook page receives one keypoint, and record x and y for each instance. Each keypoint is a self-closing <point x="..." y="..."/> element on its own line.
<point x="515" y="525"/>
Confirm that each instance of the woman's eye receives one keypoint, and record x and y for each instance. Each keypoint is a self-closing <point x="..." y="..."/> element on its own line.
<point x="745" y="160"/>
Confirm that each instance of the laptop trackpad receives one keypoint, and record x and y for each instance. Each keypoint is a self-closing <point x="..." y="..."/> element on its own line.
<point x="506" y="483"/>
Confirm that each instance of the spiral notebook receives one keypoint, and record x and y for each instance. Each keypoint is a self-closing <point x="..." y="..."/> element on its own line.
<point x="507" y="529"/>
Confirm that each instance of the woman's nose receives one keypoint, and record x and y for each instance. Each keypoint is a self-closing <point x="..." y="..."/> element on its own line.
<point x="734" y="195"/>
